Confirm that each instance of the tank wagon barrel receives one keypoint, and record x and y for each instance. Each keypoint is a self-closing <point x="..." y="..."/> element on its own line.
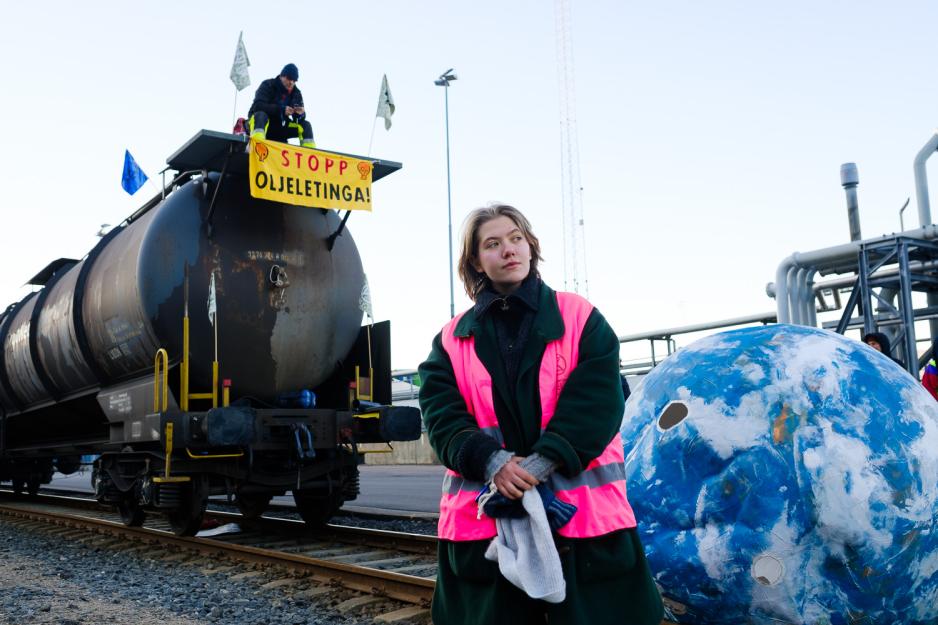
<point x="287" y="285"/>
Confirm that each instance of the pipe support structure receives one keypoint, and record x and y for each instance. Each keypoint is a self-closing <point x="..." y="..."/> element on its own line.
<point x="836" y="259"/>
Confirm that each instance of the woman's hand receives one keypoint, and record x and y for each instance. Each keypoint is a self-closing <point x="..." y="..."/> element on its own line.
<point x="511" y="480"/>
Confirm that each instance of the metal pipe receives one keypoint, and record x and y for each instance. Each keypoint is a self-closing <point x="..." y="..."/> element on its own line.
<point x="765" y="317"/>
<point x="849" y="179"/>
<point x="809" y="298"/>
<point x="902" y="210"/>
<point x="805" y="294"/>
<point x="924" y="208"/>
<point x="921" y="179"/>
<point x="794" y="294"/>
<point x="781" y="289"/>
<point x="832" y="257"/>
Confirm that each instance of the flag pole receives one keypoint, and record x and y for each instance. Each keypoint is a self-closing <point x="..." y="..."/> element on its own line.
<point x="371" y="141"/>
<point x="215" y="323"/>
<point x="215" y="327"/>
<point x="234" y="113"/>
<point x="215" y="363"/>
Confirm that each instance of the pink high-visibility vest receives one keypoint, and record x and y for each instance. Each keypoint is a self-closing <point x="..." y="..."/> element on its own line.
<point x="598" y="491"/>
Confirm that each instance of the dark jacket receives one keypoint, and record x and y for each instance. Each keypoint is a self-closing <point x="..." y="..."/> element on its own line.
<point x="273" y="98"/>
<point x="608" y="580"/>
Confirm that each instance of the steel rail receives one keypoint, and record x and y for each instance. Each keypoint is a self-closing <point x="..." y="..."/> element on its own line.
<point x="399" y="586"/>
<point x="405" y="541"/>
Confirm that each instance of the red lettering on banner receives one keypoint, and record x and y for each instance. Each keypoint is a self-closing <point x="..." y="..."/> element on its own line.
<point x="299" y="159"/>
<point x="343" y="165"/>
<point x="329" y="164"/>
<point x="312" y="162"/>
<point x="283" y="155"/>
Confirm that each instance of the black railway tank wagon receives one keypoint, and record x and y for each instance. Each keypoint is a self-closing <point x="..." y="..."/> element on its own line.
<point x="274" y="396"/>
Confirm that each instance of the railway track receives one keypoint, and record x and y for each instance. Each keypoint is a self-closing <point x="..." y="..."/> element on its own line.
<point x="377" y="563"/>
<point x="391" y="565"/>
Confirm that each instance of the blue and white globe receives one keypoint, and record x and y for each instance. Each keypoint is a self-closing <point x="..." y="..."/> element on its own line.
<point x="786" y="474"/>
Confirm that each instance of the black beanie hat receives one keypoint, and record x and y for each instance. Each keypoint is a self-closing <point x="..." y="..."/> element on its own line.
<point x="289" y="70"/>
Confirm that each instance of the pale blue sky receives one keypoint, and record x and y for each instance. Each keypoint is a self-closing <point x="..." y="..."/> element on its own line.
<point x="711" y="134"/>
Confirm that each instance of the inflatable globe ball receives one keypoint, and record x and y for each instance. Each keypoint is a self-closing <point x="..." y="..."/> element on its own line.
<point x="786" y="474"/>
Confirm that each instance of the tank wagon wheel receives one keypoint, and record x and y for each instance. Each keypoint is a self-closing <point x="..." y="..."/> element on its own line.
<point x="186" y="520"/>
<point x="317" y="507"/>
<point x="253" y="505"/>
<point x="18" y="486"/>
<point x="132" y="515"/>
<point x="32" y="485"/>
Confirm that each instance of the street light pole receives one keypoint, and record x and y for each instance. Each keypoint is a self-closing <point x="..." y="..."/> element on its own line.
<point x="443" y="81"/>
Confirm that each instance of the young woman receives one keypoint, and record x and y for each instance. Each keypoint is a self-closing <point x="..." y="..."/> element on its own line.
<point x="520" y="389"/>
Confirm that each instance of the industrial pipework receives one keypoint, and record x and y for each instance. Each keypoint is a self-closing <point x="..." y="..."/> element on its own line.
<point x="793" y="287"/>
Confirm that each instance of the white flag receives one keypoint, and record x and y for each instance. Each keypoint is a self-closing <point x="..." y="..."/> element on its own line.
<point x="385" y="103"/>
<point x="211" y="300"/>
<point x="364" y="301"/>
<point x="239" y="69"/>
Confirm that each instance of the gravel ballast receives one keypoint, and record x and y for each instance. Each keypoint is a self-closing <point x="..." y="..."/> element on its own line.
<point x="48" y="579"/>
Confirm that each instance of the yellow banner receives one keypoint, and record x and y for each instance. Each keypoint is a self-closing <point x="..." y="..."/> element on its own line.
<point x="293" y="175"/>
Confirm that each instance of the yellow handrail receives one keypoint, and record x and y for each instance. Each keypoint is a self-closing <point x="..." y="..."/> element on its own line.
<point x="214" y="384"/>
<point x="240" y="454"/>
<point x="166" y="478"/>
<point x="184" y="366"/>
<point x="162" y="357"/>
<point x="358" y="384"/>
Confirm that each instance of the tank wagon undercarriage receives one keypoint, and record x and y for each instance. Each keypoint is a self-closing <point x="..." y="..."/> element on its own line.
<point x="247" y="454"/>
<point x="98" y="363"/>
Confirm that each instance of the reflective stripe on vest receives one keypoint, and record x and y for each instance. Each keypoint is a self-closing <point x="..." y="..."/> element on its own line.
<point x="598" y="491"/>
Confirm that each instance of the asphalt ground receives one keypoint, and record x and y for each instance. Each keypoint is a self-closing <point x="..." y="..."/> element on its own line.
<point x="391" y="489"/>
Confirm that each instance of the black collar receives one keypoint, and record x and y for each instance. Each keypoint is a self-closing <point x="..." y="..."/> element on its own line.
<point x="527" y="294"/>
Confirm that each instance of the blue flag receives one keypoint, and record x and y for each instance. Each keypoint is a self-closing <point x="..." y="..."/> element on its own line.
<point x="133" y="177"/>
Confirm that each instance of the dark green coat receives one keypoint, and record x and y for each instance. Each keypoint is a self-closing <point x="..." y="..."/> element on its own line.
<point x="608" y="580"/>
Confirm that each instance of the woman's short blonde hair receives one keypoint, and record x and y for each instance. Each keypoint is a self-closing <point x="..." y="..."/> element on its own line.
<point x="472" y="279"/>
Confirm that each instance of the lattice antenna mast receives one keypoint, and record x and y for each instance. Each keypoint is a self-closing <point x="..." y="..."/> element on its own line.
<point x="574" y="231"/>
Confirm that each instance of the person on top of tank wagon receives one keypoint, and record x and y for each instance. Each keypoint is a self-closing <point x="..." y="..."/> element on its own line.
<point x="522" y="392"/>
<point x="277" y="112"/>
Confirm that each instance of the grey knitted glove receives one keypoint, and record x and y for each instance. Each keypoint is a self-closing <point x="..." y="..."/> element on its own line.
<point x="495" y="463"/>
<point x="538" y="466"/>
